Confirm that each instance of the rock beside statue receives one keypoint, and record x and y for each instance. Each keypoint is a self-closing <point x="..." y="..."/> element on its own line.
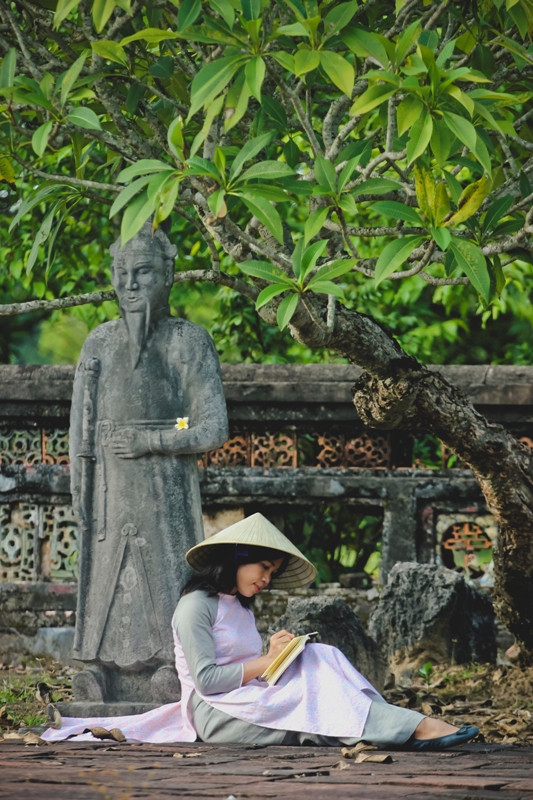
<point x="337" y="625"/>
<point x="429" y="613"/>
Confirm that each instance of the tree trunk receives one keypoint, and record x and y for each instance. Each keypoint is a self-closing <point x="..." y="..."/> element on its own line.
<point x="398" y="391"/>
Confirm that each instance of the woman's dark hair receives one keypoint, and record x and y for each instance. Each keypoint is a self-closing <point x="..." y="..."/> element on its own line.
<point x="220" y="574"/>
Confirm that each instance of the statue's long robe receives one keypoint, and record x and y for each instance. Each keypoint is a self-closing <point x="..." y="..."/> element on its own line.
<point x="140" y="515"/>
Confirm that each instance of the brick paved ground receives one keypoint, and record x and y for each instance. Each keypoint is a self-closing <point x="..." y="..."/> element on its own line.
<point x="86" y="771"/>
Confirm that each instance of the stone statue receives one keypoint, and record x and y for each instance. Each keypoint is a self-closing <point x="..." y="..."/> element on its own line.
<point x="147" y="400"/>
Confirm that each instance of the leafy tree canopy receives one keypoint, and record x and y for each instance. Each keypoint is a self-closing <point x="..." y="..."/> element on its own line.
<point x="310" y="150"/>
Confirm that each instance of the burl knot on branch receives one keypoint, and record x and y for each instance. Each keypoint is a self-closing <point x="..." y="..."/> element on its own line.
<point x="387" y="403"/>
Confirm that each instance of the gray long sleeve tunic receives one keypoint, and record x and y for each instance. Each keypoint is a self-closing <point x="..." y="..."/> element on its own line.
<point x="193" y="621"/>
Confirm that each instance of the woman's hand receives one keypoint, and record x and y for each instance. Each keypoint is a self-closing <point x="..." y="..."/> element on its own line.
<point x="278" y="642"/>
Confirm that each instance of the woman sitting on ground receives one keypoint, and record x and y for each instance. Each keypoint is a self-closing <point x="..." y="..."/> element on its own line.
<point x="320" y="699"/>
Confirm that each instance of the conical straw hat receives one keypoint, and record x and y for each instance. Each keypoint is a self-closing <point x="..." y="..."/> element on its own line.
<point x="256" y="530"/>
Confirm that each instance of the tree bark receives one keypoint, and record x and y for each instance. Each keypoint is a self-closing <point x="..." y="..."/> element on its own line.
<point x="396" y="390"/>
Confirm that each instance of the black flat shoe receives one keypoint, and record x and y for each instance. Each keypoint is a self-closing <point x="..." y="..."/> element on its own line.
<point x="464" y="734"/>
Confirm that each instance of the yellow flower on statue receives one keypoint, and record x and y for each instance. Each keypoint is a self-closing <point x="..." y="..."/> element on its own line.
<point x="182" y="423"/>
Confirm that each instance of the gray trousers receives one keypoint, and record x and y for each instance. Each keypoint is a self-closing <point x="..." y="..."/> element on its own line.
<point x="386" y="725"/>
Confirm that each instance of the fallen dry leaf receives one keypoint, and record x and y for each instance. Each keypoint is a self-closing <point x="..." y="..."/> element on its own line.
<point x="186" y="755"/>
<point x="426" y="709"/>
<point x="43" y="693"/>
<point x="12" y="735"/>
<point x="32" y="738"/>
<point x="102" y="733"/>
<point x="351" y="752"/>
<point x="53" y="717"/>
<point x="340" y="765"/>
<point x="375" y="758"/>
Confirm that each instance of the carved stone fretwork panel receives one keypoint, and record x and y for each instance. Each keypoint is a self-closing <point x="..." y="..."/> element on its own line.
<point x="59" y="549"/>
<point x="20" y="445"/>
<point x="368" y="451"/>
<point x="38" y="542"/>
<point x="465" y="542"/>
<point x="274" y="450"/>
<point x="19" y="542"/>
<point x="55" y="446"/>
<point x="236" y="452"/>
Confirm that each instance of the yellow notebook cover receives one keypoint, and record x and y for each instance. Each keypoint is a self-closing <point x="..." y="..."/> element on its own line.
<point x="274" y="672"/>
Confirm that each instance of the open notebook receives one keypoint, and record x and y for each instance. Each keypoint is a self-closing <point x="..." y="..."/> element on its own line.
<point x="274" y="672"/>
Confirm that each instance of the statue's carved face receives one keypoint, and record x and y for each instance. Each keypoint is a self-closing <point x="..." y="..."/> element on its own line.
<point x="141" y="279"/>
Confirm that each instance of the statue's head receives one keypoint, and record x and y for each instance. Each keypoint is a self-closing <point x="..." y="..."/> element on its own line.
<point x="143" y="270"/>
<point x="142" y="275"/>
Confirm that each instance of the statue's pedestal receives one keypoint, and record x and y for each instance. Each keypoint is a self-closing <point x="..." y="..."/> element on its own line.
<point x="89" y="708"/>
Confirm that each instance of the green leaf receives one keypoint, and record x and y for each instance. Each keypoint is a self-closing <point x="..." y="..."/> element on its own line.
<point x="266" y="214"/>
<point x="333" y="270"/>
<point x="101" y="11"/>
<point x="237" y="98"/>
<point x="144" y="166"/>
<point x="347" y="172"/>
<point x="275" y="111"/>
<point x="7" y="70"/>
<point x="453" y="185"/>
<point x="84" y="118"/>
<point x="338" y="18"/>
<point x="250" y="149"/>
<point x="63" y="9"/>
<point x="255" y="75"/>
<point x="211" y="80"/>
<point x="265" y="271"/>
<point x="127" y="194"/>
<point x="134" y="96"/>
<point x="163" y="67"/>
<point x="441" y="205"/>
<point x="40" y="238"/>
<point x="314" y="223"/>
<point x="310" y="256"/>
<point x="201" y="166"/>
<point x="397" y="211"/>
<point x="296" y="29"/>
<point x="36" y="197"/>
<point x="407" y="40"/>
<point x="482" y="155"/>
<point x="419" y="138"/>
<point x="442" y="236"/>
<point x="339" y="71"/>
<point x="372" y="98"/>
<point x="112" y="51"/>
<point x="291" y="152"/>
<point x="496" y="211"/>
<point x="441" y="142"/>
<point x="326" y="287"/>
<point x="348" y="205"/>
<point x="394" y="255"/>
<point x="325" y="174"/>
<point x="470" y="200"/>
<point x="306" y="61"/>
<point x="225" y="9"/>
<point x="175" y="138"/>
<point x="408" y="112"/>
<point x="284" y="59"/>
<point x="286" y="310"/>
<point x="217" y="203"/>
<point x="425" y="189"/>
<point x="150" y="35"/>
<point x="375" y="186"/>
<point x="268" y="293"/>
<point x="365" y="44"/>
<point x="267" y="170"/>
<point x="472" y="261"/>
<point x="70" y="77"/>
<point x="39" y="140"/>
<point x="462" y="128"/>
<point x="251" y="9"/>
<point x="214" y="110"/>
<point x="189" y="10"/>
<point x="135" y="216"/>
